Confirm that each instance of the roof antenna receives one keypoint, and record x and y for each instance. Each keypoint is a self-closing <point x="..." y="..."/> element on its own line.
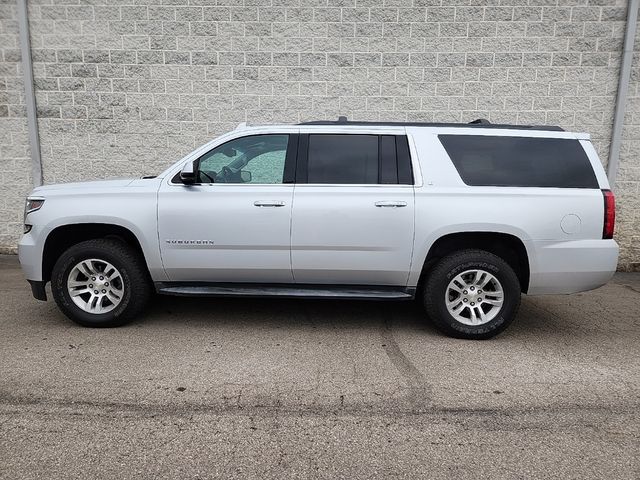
<point x="480" y="121"/>
<point x="342" y="119"/>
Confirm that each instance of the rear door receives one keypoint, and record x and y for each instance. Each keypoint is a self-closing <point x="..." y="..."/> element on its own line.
<point x="353" y="214"/>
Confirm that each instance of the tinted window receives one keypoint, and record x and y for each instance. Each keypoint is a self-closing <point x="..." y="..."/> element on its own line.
<point x="343" y="159"/>
<point x="388" y="161"/>
<point x="405" y="173"/>
<point x="253" y="159"/>
<point x="519" y="161"/>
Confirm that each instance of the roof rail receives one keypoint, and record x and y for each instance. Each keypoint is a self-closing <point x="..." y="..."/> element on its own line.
<point x="478" y="123"/>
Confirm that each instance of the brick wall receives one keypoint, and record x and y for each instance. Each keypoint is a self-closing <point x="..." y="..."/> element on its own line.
<point x="628" y="185"/>
<point x="15" y="172"/>
<point x="126" y="89"/>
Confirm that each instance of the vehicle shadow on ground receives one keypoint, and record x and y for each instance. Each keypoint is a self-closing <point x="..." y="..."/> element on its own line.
<point x="403" y="316"/>
<point x="540" y="317"/>
<point x="286" y="312"/>
<point x="609" y="311"/>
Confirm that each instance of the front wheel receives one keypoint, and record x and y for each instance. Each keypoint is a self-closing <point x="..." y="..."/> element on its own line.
<point x="472" y="294"/>
<point x="100" y="283"/>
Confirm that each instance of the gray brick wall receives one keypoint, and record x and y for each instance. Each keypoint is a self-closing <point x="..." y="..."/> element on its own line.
<point x="15" y="180"/>
<point x="628" y="185"/>
<point x="126" y="89"/>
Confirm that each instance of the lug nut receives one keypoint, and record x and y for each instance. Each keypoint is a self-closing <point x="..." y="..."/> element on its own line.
<point x="465" y="292"/>
<point x="106" y="284"/>
<point x="96" y="292"/>
<point x="93" y="278"/>
<point x="473" y="288"/>
<point x="465" y="299"/>
<point x="104" y="291"/>
<point x="472" y="304"/>
<point x="479" y="300"/>
<point x="101" y="278"/>
<point x="479" y="292"/>
<point x="91" y="285"/>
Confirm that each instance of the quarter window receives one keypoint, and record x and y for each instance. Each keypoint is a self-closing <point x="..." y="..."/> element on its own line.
<point x="252" y="159"/>
<point x="485" y="160"/>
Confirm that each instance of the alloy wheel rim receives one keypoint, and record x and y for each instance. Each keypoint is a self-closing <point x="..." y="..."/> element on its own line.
<point x="474" y="297"/>
<point x="95" y="286"/>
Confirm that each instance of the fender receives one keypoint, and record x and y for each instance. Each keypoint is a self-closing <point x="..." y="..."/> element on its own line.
<point x="148" y="243"/>
<point x="421" y="250"/>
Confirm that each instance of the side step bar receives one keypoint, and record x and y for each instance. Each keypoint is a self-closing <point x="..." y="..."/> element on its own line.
<point x="285" y="291"/>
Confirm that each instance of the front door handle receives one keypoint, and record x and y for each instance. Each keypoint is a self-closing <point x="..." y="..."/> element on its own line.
<point x="391" y="204"/>
<point x="268" y="203"/>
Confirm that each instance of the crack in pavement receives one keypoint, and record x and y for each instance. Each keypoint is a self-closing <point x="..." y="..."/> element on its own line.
<point x="419" y="395"/>
<point x="512" y="417"/>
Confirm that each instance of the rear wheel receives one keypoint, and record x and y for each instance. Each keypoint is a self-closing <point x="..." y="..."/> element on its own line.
<point x="472" y="294"/>
<point x="100" y="283"/>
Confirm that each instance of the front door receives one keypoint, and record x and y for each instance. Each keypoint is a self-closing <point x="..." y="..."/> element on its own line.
<point x="234" y="224"/>
<point x="353" y="210"/>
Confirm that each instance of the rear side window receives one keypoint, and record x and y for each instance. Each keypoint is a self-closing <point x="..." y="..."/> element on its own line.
<point x="352" y="159"/>
<point x="343" y="159"/>
<point x="483" y="160"/>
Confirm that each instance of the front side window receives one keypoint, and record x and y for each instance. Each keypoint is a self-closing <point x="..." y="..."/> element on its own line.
<point x="253" y="159"/>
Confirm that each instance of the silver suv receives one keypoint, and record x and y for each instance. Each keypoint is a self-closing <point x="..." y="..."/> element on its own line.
<point x="464" y="217"/>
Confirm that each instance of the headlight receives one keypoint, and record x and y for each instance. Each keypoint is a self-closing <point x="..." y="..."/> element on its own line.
<point x="33" y="204"/>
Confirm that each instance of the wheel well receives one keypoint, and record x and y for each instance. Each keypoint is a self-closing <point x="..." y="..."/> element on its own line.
<point x="61" y="238"/>
<point x="508" y="247"/>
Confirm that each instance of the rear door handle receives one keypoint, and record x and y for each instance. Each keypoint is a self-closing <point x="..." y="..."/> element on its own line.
<point x="268" y="203"/>
<point x="391" y="204"/>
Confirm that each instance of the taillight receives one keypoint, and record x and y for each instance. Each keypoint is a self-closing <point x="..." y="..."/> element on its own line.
<point x="609" y="213"/>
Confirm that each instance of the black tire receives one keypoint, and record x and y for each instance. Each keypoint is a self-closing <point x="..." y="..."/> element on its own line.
<point x="135" y="279"/>
<point x="449" y="267"/>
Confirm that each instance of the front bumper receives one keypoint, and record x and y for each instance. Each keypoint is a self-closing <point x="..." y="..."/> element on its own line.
<point x="30" y="256"/>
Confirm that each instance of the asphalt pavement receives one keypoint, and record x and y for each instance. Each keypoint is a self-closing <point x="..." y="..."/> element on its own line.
<point x="258" y="388"/>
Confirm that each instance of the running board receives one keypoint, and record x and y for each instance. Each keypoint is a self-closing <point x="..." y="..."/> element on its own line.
<point x="285" y="291"/>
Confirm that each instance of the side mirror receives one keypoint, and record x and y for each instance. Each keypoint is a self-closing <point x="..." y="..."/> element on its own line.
<point x="245" y="176"/>
<point x="188" y="174"/>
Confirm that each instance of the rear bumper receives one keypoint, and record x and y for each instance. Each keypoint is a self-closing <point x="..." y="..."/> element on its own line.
<point x="569" y="267"/>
